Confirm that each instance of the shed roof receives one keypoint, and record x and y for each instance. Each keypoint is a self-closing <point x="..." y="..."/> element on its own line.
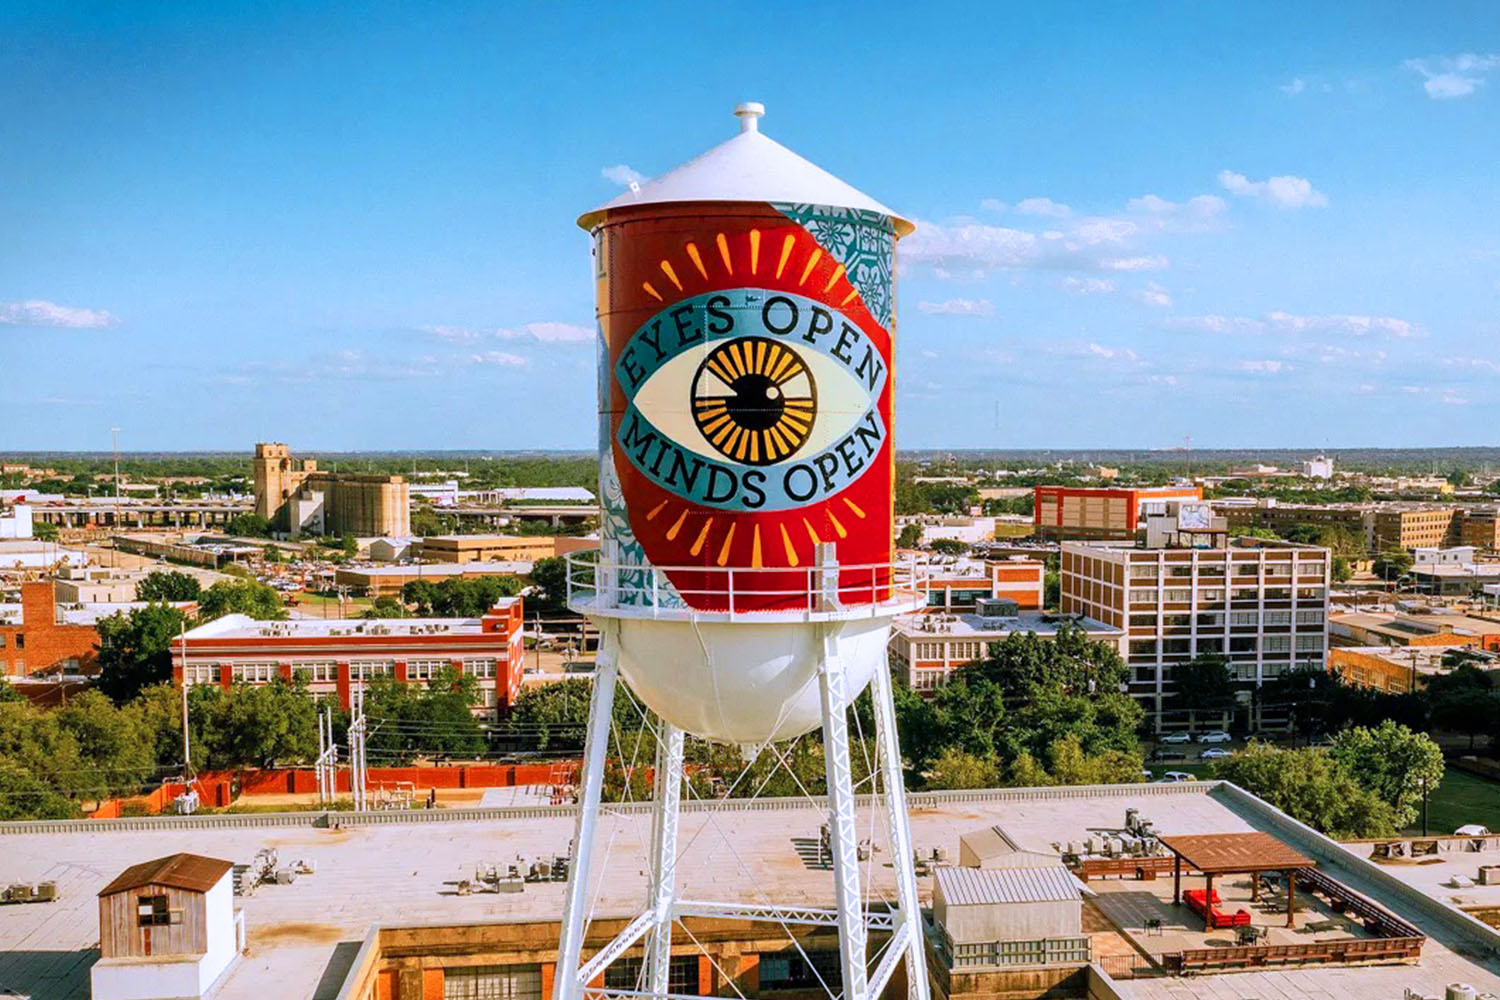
<point x="979" y="886"/>
<point x="1224" y="853"/>
<point x="180" y="871"/>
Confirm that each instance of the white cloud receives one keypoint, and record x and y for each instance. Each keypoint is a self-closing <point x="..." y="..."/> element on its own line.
<point x="1294" y="86"/>
<point x="41" y="313"/>
<point x="1454" y="399"/>
<point x="1478" y="364"/>
<point x="622" y="175"/>
<point x="992" y="205"/>
<point x="1088" y="286"/>
<point x="502" y="358"/>
<point x="1447" y="77"/>
<point x="1284" y="192"/>
<point x="1263" y="367"/>
<point x="1354" y="326"/>
<point x="1151" y="263"/>
<point x="958" y="307"/>
<point x="1283" y="322"/>
<point x="544" y="333"/>
<point x="1154" y="295"/>
<point x="1111" y="353"/>
<point x="1043" y="206"/>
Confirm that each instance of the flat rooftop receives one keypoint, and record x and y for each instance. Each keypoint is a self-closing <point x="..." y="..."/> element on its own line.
<point x="947" y="623"/>
<point x="440" y="569"/>
<point x="245" y="627"/>
<point x="403" y="870"/>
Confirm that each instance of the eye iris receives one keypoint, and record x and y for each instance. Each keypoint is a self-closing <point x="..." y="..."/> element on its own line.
<point x="754" y="400"/>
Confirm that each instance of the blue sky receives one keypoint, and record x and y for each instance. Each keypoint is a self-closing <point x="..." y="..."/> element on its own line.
<point x="351" y="227"/>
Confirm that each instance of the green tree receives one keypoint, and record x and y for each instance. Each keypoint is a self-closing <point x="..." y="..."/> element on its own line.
<point x="409" y="721"/>
<point x="135" y="649"/>
<point x="949" y="546"/>
<point x="168" y="585"/>
<point x="349" y="545"/>
<point x="909" y="537"/>
<point x="550" y="578"/>
<point x="25" y="796"/>
<point x="243" y="597"/>
<point x="1463" y="700"/>
<point x="1393" y="761"/>
<point x="459" y="597"/>
<point x="1342" y="569"/>
<point x="1203" y="684"/>
<point x="248" y="526"/>
<point x="255" y="725"/>
<point x="1311" y="786"/>
<point x="385" y="607"/>
<point x="44" y="531"/>
<point x="954" y="768"/>
<point x="271" y="554"/>
<point x="1392" y="564"/>
<point x="552" y="712"/>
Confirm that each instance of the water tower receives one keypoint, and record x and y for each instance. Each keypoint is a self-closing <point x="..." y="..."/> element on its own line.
<point x="744" y="585"/>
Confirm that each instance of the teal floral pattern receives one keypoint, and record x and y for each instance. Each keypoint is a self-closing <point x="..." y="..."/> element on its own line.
<point x="863" y="241"/>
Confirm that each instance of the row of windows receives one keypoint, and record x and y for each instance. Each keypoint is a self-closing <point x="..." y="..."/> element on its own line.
<point x="1182" y="571"/>
<point x="1215" y="644"/>
<point x="327" y="672"/>
<point x="1215" y="619"/>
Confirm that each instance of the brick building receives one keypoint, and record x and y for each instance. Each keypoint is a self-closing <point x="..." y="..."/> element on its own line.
<point x="956" y="588"/>
<point x="926" y="648"/>
<point x="41" y="640"/>
<point x="1104" y="513"/>
<point x="334" y="655"/>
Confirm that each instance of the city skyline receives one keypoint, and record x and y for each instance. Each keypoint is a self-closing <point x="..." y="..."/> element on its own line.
<point x="357" y="231"/>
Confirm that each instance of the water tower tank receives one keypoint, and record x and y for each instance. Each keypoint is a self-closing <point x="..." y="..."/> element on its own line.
<point x="745" y="305"/>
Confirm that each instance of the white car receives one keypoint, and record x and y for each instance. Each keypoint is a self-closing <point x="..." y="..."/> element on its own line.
<point x="1215" y="753"/>
<point x="1174" y="778"/>
<point x="1176" y="738"/>
<point x="1217" y="736"/>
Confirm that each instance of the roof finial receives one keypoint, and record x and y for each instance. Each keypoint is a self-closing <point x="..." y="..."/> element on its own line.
<point x="749" y="114"/>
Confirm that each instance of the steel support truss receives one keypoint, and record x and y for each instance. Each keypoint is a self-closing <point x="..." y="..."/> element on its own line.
<point x="651" y="931"/>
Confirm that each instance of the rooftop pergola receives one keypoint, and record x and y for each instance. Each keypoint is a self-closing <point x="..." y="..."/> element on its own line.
<point x="1236" y="854"/>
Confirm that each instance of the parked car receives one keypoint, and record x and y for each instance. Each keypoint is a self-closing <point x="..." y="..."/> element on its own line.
<point x="1176" y="738"/>
<point x="1174" y="778"/>
<point x="1472" y="830"/>
<point x="1217" y="736"/>
<point x="1214" y="753"/>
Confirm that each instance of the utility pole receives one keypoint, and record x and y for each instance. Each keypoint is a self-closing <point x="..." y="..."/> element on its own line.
<point x="187" y="756"/>
<point x="357" y="749"/>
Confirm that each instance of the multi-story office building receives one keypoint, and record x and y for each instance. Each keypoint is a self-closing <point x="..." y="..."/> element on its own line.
<point x="298" y="498"/>
<point x="1481" y="528"/>
<point x="1109" y="512"/>
<point x="1262" y="606"/>
<point x="335" y="655"/>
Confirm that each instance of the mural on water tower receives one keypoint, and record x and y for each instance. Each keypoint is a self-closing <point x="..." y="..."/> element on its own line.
<point x="745" y="397"/>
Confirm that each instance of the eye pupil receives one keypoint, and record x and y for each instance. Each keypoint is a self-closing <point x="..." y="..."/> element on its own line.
<point x="754" y="400"/>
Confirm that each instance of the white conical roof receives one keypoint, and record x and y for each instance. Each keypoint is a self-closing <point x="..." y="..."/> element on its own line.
<point x="749" y="167"/>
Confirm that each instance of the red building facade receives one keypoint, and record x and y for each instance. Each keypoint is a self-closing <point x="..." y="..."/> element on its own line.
<point x="1110" y="512"/>
<point x="40" y="642"/>
<point x="334" y="655"/>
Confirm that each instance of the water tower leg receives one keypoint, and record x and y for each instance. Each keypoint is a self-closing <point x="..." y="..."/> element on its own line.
<point x="666" y="805"/>
<point x="842" y="831"/>
<point x="899" y="833"/>
<point x="575" y="904"/>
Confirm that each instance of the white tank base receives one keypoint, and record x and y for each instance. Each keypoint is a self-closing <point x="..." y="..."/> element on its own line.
<point x="744" y="682"/>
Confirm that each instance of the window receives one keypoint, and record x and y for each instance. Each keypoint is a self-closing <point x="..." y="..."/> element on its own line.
<point x="1142" y="621"/>
<point x="1309" y="618"/>
<point x="1242" y="644"/>
<point x="1310" y="593"/>
<point x="1210" y="595"/>
<point x="1278" y="618"/>
<point x="1245" y="594"/>
<point x="480" y="668"/>
<point x="200" y="673"/>
<point x="1182" y="594"/>
<point x="152" y="911"/>
<point x="493" y="982"/>
<point x="253" y="673"/>
<point x="1308" y="643"/>
<point x="1143" y="571"/>
<point x="20" y="640"/>
<point x="1143" y="596"/>
<point x="1171" y="647"/>
<point x="1210" y="645"/>
<point x="1211" y="619"/>
<point x="372" y="668"/>
<point x="1279" y="569"/>
<point x="1244" y="618"/>
<point x="789" y="970"/>
<point x="2" y="641"/>
<point x="1177" y="621"/>
<point x="1142" y="647"/>
<point x="1245" y="569"/>
<point x="424" y="670"/>
<point x="1276" y="644"/>
<point x="1180" y="569"/>
<point x="317" y="672"/>
<point x="1310" y="569"/>
<point x="629" y="974"/>
<point x="926" y="680"/>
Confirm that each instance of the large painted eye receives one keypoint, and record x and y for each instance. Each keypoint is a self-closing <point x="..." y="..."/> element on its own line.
<point x="755" y="400"/>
